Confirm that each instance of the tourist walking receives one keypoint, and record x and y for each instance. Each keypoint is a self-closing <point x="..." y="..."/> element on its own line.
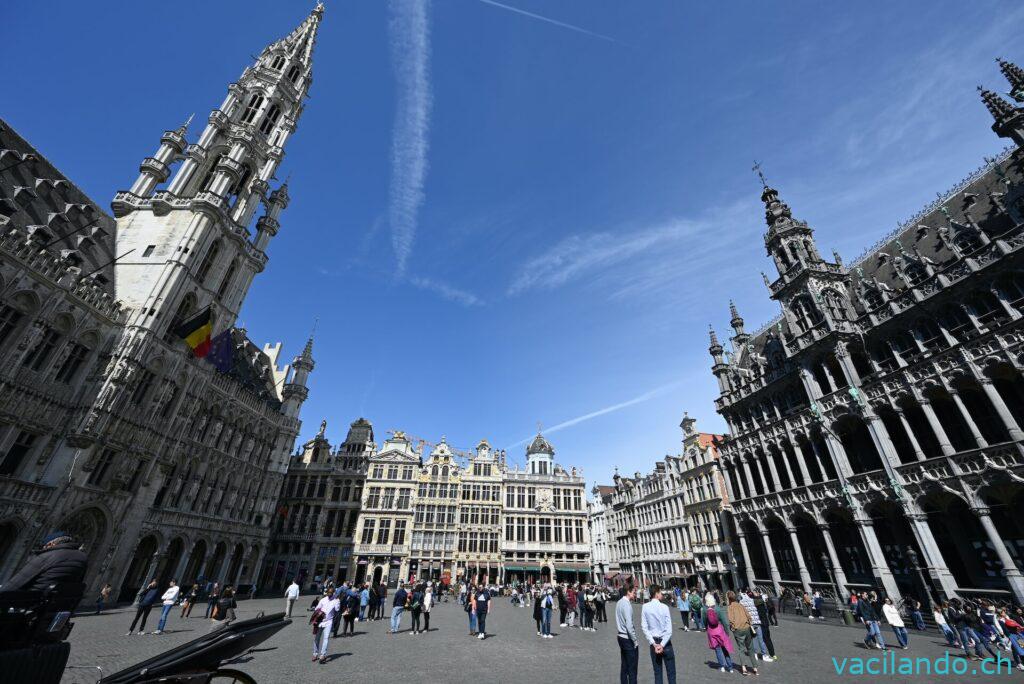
<point x="571" y="597"/>
<point x="468" y="599"/>
<point x="683" y="604"/>
<point x="656" y="622"/>
<point x="212" y="596"/>
<point x="323" y="617"/>
<point x="588" y="609"/>
<point x="695" y="608"/>
<point x="190" y="600"/>
<point x="740" y="625"/>
<point x="169" y="597"/>
<point x="147" y="599"/>
<point x="892" y="616"/>
<point x="600" y="599"/>
<point x="915" y="614"/>
<point x="416" y="608"/>
<point x="760" y="648"/>
<point x="224" y="611"/>
<point x="563" y="605"/>
<point x="538" y="617"/>
<point x="548" y="604"/>
<point x="968" y="625"/>
<point x="428" y="604"/>
<point x="764" y="632"/>
<point x="719" y="641"/>
<point x="482" y="608"/>
<point x="398" y="607"/>
<point x="350" y="611"/>
<point x="382" y="599"/>
<point x="103" y="597"/>
<point x="939" y="615"/>
<point x="629" y="644"/>
<point x="291" y="595"/>
<point x="870" y="619"/>
<point x="364" y="601"/>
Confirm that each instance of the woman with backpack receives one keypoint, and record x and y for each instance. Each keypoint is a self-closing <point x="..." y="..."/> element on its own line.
<point x="416" y="606"/>
<point x="547" y="606"/>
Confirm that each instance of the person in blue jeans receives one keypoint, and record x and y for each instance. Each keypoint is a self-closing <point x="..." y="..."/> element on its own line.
<point x="364" y="601"/>
<point x="397" y="608"/>
<point x="695" y="609"/>
<point x="870" y="619"/>
<point x="469" y="604"/>
<point x="169" y="597"/>
<point x="547" y="604"/>
<point x="916" y="616"/>
<point x="482" y="607"/>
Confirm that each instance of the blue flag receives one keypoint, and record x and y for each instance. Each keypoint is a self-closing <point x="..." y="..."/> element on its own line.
<point x="222" y="350"/>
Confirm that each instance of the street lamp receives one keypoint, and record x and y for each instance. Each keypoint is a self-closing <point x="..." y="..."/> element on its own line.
<point x="925" y="594"/>
<point x="841" y="608"/>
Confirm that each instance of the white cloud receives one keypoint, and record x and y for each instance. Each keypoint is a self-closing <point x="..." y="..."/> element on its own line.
<point x="448" y="292"/>
<point x="409" y="30"/>
<point x="603" y="411"/>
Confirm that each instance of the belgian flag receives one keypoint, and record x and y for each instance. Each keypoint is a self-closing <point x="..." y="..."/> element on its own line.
<point x="196" y="332"/>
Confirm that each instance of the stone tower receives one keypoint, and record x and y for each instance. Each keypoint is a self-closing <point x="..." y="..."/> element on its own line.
<point x="190" y="244"/>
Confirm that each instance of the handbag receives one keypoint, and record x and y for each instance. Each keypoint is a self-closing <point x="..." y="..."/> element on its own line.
<point x="316" y="618"/>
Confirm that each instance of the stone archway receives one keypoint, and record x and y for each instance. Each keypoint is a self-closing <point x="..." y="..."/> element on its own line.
<point x="10" y="530"/>
<point x="213" y="566"/>
<point x="195" y="563"/>
<point x="138" y="569"/>
<point x="88" y="527"/>
<point x="895" y="536"/>
<point x="172" y="558"/>
<point x="963" y="543"/>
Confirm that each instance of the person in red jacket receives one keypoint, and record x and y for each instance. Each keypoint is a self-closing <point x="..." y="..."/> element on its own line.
<point x="571" y="597"/>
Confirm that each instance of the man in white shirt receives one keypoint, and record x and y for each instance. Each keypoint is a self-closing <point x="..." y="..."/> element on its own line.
<point x="169" y="597"/>
<point x="291" y="595"/>
<point x="656" y="622"/>
<point x="330" y="607"/>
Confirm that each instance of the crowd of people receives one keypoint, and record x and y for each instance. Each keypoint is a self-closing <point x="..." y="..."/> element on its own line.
<point x="220" y="604"/>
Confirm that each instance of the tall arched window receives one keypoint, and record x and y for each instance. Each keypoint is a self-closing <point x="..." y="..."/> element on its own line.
<point x="208" y="261"/>
<point x="293" y="74"/>
<point x="185" y="309"/>
<point x="226" y="281"/>
<point x="914" y="273"/>
<point x="270" y="120"/>
<point x="253" y="108"/>
<point x="806" y="314"/>
<point x="239" y="186"/>
<point x="211" y="171"/>
<point x="278" y="63"/>
<point x="835" y="303"/>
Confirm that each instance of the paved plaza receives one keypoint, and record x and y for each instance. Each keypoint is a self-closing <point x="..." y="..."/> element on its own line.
<point x="511" y="653"/>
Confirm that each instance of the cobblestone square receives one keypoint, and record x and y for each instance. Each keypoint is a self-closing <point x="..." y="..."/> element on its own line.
<point x="511" y="653"/>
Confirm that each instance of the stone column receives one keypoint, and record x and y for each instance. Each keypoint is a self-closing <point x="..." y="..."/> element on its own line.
<point x="789" y="470"/>
<point x="802" y="461"/>
<point x="1013" y="575"/>
<point x="751" y="490"/>
<point x="993" y="395"/>
<point x="935" y="564"/>
<point x="772" y="568"/>
<point x="760" y="474"/>
<point x="971" y="425"/>
<point x="154" y="565"/>
<point x="918" y="452"/>
<point x="774" y="472"/>
<point x="940" y="433"/>
<point x="801" y="564"/>
<point x="838" y="454"/>
<point x="879" y="567"/>
<point x="816" y="452"/>
<point x="748" y="569"/>
<point x="837" y="567"/>
<point x="880" y="436"/>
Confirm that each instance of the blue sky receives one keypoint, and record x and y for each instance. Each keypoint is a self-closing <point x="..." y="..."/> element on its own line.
<point x="501" y="219"/>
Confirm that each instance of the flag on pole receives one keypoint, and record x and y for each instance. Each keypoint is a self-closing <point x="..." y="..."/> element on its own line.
<point x="196" y="332"/>
<point x="222" y="353"/>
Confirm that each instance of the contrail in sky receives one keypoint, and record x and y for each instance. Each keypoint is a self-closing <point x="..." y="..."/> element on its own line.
<point x="409" y="28"/>
<point x="600" y="412"/>
<point x="578" y="29"/>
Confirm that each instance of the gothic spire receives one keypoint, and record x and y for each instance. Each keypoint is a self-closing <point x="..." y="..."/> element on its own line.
<point x="775" y="210"/>
<point x="299" y="43"/>
<point x="1000" y="109"/>
<point x="715" y="345"/>
<point x="1015" y="76"/>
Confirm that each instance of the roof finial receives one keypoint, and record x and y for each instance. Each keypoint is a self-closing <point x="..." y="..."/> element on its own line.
<point x="1000" y="109"/>
<point x="760" y="173"/>
<point x="539" y="427"/>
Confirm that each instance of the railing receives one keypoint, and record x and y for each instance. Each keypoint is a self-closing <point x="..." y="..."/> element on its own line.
<point x="24" y="492"/>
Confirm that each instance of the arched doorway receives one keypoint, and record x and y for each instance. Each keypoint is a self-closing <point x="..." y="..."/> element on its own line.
<point x="171" y="561"/>
<point x="962" y="541"/>
<point x="782" y="547"/>
<point x="88" y="527"/>
<point x="545" y="573"/>
<point x="857" y="443"/>
<point x="757" y="561"/>
<point x="213" y="567"/>
<point x="195" y="563"/>
<point x="235" y="565"/>
<point x="137" y="569"/>
<point x="813" y="547"/>
<point x="1004" y="501"/>
<point x="9" y="531"/>
<point x="853" y="556"/>
<point x="378" y="572"/>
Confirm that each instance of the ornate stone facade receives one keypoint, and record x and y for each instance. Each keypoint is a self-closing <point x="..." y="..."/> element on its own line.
<point x="315" y="523"/>
<point x="881" y="413"/>
<point x="667" y="527"/>
<point x="160" y="464"/>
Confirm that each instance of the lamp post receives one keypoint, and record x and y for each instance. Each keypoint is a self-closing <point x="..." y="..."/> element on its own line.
<point x="926" y="599"/>
<point x="841" y="609"/>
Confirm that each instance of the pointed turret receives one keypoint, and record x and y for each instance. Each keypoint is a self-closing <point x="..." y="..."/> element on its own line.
<point x="1014" y="76"/>
<point x="296" y="391"/>
<point x="156" y="169"/>
<point x="1008" y="121"/>
<point x="716" y="348"/>
<point x="736" y="321"/>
